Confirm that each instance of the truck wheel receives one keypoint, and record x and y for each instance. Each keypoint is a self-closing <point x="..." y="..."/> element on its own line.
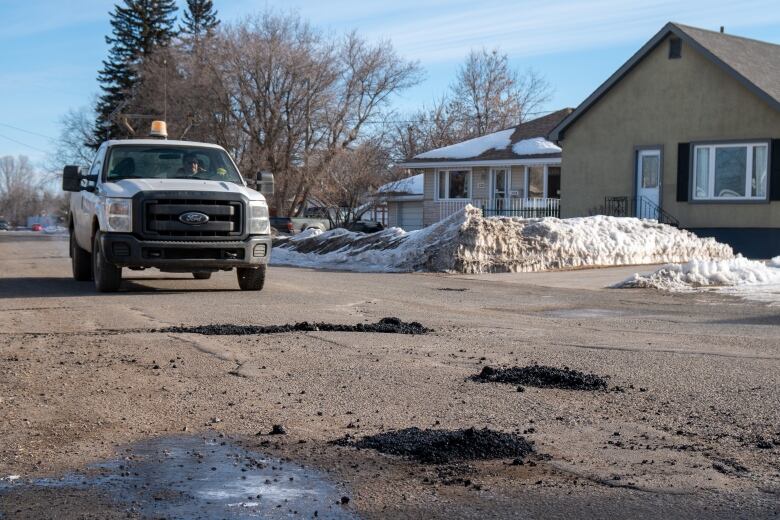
<point x="251" y="279"/>
<point x="203" y="275"/>
<point x="108" y="277"/>
<point x="80" y="262"/>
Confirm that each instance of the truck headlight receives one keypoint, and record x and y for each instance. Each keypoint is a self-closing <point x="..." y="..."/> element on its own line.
<point x="258" y="218"/>
<point x="118" y="215"/>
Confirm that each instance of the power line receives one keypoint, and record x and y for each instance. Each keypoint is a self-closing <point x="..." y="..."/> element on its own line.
<point x="26" y="131"/>
<point x="23" y="144"/>
<point x="455" y="119"/>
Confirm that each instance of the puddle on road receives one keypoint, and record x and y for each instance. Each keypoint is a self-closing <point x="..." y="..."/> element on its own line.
<point x="189" y="477"/>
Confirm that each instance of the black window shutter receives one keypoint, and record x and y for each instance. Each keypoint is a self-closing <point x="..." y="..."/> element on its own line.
<point x="774" y="174"/>
<point x="683" y="171"/>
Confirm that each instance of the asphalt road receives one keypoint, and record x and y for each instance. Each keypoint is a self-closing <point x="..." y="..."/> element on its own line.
<point x="691" y="431"/>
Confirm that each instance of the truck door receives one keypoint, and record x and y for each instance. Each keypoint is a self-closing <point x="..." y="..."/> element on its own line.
<point x="84" y="205"/>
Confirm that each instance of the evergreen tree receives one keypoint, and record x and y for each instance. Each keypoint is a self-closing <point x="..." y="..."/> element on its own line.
<point x="138" y="28"/>
<point x="199" y="18"/>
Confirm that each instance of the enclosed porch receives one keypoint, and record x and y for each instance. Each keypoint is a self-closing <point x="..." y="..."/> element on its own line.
<point x="526" y="191"/>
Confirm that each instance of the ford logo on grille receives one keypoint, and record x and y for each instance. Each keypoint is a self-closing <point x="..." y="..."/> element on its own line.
<point x="194" y="218"/>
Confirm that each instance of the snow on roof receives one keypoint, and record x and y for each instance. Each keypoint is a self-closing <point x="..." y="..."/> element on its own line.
<point x="411" y="185"/>
<point x="535" y="146"/>
<point x="472" y="147"/>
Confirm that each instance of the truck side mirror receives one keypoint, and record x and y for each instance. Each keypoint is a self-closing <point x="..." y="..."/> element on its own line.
<point x="265" y="183"/>
<point x="71" y="178"/>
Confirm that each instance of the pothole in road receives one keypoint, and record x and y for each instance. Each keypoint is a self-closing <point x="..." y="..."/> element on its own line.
<point x="443" y="446"/>
<point x="542" y="377"/>
<point x="189" y="477"/>
<point x="385" y="325"/>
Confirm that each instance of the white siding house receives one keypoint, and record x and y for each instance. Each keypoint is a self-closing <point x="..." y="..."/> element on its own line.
<point x="513" y="172"/>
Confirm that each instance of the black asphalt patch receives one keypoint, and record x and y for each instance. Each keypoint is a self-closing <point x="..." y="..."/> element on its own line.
<point x="542" y="377"/>
<point x="443" y="446"/>
<point x="385" y="325"/>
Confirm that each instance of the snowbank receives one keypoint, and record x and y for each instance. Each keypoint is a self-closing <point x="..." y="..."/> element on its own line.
<point x="535" y="146"/>
<point x="466" y="242"/>
<point x="472" y="147"/>
<point x="737" y="271"/>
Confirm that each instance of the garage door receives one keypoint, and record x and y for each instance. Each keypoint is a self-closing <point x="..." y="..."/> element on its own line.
<point x="410" y="215"/>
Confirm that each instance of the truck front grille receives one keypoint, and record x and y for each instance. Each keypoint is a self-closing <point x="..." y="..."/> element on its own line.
<point x="161" y="218"/>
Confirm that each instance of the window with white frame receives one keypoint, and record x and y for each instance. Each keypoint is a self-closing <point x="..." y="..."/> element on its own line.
<point x="454" y="184"/>
<point x="535" y="177"/>
<point x="730" y="171"/>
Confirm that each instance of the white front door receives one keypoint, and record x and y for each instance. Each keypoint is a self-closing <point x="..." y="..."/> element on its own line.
<point x="648" y="183"/>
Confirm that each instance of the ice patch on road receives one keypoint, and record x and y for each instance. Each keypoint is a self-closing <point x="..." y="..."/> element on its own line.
<point x="466" y="242"/>
<point x="739" y="276"/>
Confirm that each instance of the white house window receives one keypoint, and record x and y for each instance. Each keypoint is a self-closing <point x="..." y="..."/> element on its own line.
<point x="542" y="181"/>
<point x="454" y="184"/>
<point x="730" y="171"/>
<point x="536" y="182"/>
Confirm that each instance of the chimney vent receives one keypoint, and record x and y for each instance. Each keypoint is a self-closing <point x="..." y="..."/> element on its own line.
<point x="722" y="29"/>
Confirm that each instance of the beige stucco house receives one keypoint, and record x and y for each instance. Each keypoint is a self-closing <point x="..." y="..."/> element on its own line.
<point x="688" y="132"/>
<point x="514" y="172"/>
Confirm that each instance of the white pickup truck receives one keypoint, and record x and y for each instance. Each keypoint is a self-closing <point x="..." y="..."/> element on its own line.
<point x="177" y="206"/>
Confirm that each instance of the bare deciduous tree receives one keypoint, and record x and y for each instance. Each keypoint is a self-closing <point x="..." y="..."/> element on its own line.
<point x="278" y="94"/>
<point x="349" y="177"/>
<point x="76" y="128"/>
<point x="427" y="129"/>
<point x="487" y="96"/>
<point x="23" y="191"/>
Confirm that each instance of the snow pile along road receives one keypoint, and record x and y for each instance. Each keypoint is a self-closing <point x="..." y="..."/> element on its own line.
<point x="735" y="272"/>
<point x="466" y="242"/>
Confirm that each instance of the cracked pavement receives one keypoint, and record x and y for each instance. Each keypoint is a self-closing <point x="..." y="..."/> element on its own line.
<point x="692" y="434"/>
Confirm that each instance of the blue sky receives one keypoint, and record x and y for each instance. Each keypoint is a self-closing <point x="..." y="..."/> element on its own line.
<point x="50" y="50"/>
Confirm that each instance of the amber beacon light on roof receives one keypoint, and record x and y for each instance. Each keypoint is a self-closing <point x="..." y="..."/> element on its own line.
<point x="159" y="129"/>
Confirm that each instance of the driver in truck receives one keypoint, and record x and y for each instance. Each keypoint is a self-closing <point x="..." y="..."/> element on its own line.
<point x="191" y="166"/>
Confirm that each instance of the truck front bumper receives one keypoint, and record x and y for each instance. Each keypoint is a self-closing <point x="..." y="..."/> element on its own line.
<point x="125" y="250"/>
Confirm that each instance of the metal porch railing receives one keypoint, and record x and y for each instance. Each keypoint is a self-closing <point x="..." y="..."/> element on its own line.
<point x="508" y="207"/>
<point x="640" y="207"/>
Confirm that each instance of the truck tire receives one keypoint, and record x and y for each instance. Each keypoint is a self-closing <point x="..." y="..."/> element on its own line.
<point x="202" y="275"/>
<point x="108" y="277"/>
<point x="251" y="279"/>
<point x="80" y="262"/>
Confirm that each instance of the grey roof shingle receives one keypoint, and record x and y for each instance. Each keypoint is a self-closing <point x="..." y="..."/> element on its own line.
<point x="539" y="127"/>
<point x="756" y="61"/>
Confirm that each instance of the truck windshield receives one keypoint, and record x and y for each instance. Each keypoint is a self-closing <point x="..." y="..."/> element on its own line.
<point x="170" y="162"/>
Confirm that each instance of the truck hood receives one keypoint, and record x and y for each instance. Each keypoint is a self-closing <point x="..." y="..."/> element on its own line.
<point x="126" y="188"/>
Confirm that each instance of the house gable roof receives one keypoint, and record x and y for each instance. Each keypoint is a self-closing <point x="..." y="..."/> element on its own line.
<point x="753" y="63"/>
<point x="501" y="145"/>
